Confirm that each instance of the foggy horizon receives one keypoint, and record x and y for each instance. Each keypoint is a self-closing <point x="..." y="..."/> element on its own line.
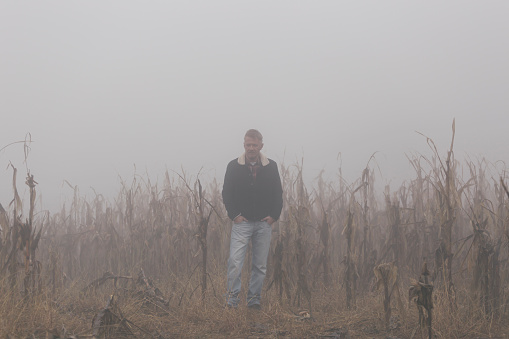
<point x="104" y="88"/>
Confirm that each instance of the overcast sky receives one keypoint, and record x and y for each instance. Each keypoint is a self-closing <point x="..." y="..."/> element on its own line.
<point x="103" y="86"/>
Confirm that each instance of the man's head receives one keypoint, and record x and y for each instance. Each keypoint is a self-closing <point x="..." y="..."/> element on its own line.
<point x="253" y="143"/>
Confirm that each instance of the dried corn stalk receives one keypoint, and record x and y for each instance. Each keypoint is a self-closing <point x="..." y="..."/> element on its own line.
<point x="387" y="277"/>
<point x="448" y="200"/>
<point x="421" y="293"/>
<point x="351" y="269"/>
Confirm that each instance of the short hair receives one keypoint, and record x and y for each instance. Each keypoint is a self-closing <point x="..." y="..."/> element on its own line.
<point x="254" y="133"/>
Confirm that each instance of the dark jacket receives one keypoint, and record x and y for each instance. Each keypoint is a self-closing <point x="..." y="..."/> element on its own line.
<point x="253" y="199"/>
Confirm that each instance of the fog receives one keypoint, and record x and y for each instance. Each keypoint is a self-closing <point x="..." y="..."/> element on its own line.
<point x="107" y="90"/>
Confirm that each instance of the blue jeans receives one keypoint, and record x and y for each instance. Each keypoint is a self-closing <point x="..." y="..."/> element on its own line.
<point x="259" y="232"/>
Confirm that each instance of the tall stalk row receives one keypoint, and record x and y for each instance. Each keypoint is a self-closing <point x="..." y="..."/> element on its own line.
<point x="332" y="236"/>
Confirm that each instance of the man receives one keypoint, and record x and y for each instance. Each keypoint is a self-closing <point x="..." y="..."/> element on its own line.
<point x="253" y="197"/>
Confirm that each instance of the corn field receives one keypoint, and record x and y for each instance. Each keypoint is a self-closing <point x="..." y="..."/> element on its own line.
<point x="426" y="259"/>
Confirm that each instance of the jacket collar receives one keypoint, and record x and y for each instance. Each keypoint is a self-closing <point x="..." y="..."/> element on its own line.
<point x="242" y="159"/>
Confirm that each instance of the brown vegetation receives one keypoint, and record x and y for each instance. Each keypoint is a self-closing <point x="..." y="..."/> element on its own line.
<point x="131" y="267"/>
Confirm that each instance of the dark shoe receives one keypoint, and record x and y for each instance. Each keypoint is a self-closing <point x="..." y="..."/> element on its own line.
<point x="255" y="307"/>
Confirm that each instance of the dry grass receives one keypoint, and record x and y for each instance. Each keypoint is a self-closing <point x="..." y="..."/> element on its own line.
<point x="75" y="311"/>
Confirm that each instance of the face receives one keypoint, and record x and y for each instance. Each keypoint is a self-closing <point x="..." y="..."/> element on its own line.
<point x="253" y="147"/>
